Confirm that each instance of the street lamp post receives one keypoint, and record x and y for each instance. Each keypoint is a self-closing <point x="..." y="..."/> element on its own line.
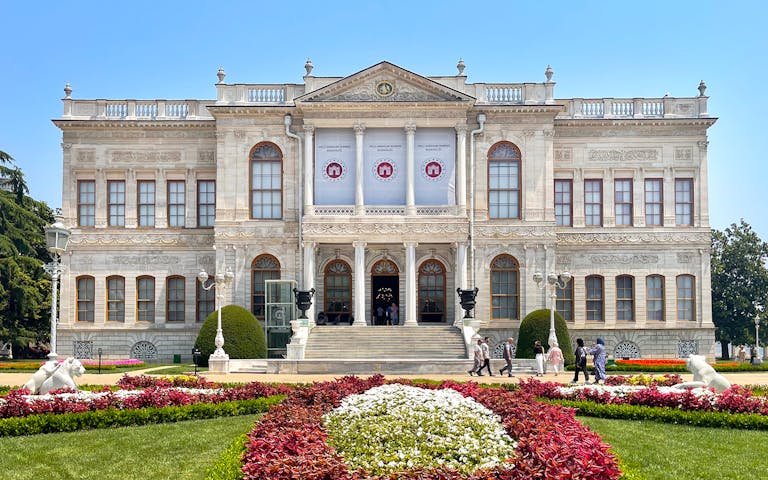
<point x="56" y="239"/>
<point x="221" y="281"/>
<point x="757" y="337"/>
<point x="554" y="281"/>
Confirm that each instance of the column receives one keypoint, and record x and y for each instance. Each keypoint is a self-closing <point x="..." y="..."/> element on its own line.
<point x="411" y="307"/>
<point x="359" y="293"/>
<point x="309" y="163"/>
<point x="410" y="196"/>
<point x="461" y="169"/>
<point x="461" y="279"/>
<point x="359" y="169"/>
<point x="309" y="277"/>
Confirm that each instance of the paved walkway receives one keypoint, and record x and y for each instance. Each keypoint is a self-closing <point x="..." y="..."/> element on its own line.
<point x="18" y="379"/>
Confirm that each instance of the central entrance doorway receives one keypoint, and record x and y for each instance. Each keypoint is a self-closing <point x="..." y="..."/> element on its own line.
<point x="385" y="290"/>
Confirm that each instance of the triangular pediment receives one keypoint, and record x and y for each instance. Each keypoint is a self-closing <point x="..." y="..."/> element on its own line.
<point x="384" y="82"/>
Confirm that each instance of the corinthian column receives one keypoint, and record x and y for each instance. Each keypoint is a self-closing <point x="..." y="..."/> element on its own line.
<point x="461" y="168"/>
<point x="309" y="163"/>
<point x="360" y="317"/>
<point x="359" y="166"/>
<point x="309" y="277"/>
<point x="411" y="310"/>
<point x="410" y="196"/>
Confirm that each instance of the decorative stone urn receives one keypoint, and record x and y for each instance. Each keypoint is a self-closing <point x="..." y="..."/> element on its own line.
<point x="467" y="299"/>
<point x="303" y="300"/>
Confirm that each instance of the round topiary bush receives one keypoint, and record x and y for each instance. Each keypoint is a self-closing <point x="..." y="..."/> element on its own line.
<point x="243" y="334"/>
<point x="535" y="326"/>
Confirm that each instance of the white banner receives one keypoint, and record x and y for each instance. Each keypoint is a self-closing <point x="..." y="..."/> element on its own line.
<point x="434" y="162"/>
<point x="334" y="166"/>
<point x="384" y="175"/>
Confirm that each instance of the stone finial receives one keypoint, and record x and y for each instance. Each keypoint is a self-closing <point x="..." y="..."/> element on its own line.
<point x="702" y="88"/>
<point x="548" y="73"/>
<point x="461" y="66"/>
<point x="221" y="74"/>
<point x="67" y="91"/>
<point x="308" y="67"/>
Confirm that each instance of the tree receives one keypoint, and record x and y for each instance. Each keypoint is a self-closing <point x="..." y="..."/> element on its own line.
<point x="25" y="289"/>
<point x="739" y="283"/>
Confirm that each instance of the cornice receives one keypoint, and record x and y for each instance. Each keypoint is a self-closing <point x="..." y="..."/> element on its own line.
<point x="634" y="122"/>
<point x="634" y="237"/>
<point x="134" y="238"/>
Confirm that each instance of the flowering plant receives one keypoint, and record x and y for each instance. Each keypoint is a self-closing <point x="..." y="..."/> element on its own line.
<point x="385" y="294"/>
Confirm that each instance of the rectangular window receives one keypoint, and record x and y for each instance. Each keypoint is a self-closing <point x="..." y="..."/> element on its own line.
<point x="206" y="302"/>
<point x="175" y="300"/>
<point x="176" y="203"/>
<point x="593" y="203"/>
<point x="625" y="298"/>
<point x="654" y="202"/>
<point x="145" y="299"/>
<point x="563" y="203"/>
<point x="654" y="292"/>
<point x="115" y="299"/>
<point x="86" y="203"/>
<point x="206" y="203"/>
<point x="685" y="298"/>
<point x="116" y="203"/>
<point x="86" y="293"/>
<point x="266" y="189"/>
<point x="504" y="189"/>
<point x="594" y="299"/>
<point x="623" y="201"/>
<point x="684" y="201"/>
<point x="146" y="203"/>
<point x="565" y="302"/>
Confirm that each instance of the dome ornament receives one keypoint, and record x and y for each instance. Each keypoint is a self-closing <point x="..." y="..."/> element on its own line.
<point x="308" y="67"/>
<point x="221" y="74"/>
<point x="67" y="91"/>
<point x="460" y="67"/>
<point x="548" y="73"/>
<point x="702" y="88"/>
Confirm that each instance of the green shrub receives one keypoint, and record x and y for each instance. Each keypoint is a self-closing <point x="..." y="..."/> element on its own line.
<point x="70" y="422"/>
<point x="243" y="334"/>
<point x="229" y="465"/>
<point x="535" y="326"/>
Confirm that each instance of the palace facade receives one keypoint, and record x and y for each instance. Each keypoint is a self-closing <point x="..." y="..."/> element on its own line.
<point x="381" y="187"/>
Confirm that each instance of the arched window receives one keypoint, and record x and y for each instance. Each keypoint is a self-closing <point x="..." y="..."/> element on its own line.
<point x="263" y="267"/>
<point x="145" y="299"/>
<point x="266" y="181"/>
<point x="625" y="298"/>
<point x="594" y="285"/>
<point x="205" y="301"/>
<point x="115" y="299"/>
<point x="338" y="291"/>
<point x="654" y="295"/>
<point x="504" y="181"/>
<point x="432" y="291"/>
<point x="505" y="288"/>
<point x="686" y="296"/>
<point x="86" y="294"/>
<point x="174" y="299"/>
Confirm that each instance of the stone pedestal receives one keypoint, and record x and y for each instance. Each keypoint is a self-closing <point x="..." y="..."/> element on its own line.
<point x="218" y="364"/>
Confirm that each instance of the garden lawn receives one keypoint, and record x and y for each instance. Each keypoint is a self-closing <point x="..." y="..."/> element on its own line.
<point x="180" y="451"/>
<point x="652" y="450"/>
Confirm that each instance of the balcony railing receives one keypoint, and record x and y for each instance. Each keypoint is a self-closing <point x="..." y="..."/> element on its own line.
<point x="136" y="109"/>
<point x="384" y="210"/>
<point x="665" y="107"/>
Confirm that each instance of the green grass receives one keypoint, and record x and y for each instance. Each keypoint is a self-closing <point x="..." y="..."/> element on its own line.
<point x="650" y="450"/>
<point x="178" y="370"/>
<point x="179" y="450"/>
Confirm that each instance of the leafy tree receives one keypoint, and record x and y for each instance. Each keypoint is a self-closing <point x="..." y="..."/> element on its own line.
<point x="25" y="289"/>
<point x="739" y="283"/>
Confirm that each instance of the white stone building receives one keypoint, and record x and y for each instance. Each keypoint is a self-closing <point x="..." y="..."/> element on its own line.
<point x="386" y="184"/>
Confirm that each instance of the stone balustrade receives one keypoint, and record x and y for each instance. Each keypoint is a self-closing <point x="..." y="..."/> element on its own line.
<point x="136" y="109"/>
<point x="258" y="94"/>
<point x="666" y="107"/>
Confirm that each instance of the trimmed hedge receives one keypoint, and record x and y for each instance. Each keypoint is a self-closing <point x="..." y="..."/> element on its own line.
<point x="70" y="422"/>
<point x="747" y="421"/>
<point x="243" y="334"/>
<point x="535" y="326"/>
<point x="229" y="465"/>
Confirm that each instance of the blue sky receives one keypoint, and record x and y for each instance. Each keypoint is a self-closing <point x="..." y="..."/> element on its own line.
<point x="172" y="50"/>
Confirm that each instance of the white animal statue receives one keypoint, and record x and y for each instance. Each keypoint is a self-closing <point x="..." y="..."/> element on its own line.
<point x="703" y="375"/>
<point x="53" y="375"/>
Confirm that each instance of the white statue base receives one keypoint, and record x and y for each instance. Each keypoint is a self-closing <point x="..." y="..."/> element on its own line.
<point x="218" y="364"/>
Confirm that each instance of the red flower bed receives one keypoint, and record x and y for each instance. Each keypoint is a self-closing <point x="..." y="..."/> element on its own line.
<point x="666" y="380"/>
<point x="290" y="441"/>
<point x="651" y="362"/>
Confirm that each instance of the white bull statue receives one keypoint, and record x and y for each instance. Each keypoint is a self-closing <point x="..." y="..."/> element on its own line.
<point x="54" y="375"/>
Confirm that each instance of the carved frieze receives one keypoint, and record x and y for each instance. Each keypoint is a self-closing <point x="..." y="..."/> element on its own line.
<point x="564" y="154"/>
<point x="207" y="157"/>
<point x="86" y="156"/>
<point x="390" y="230"/>
<point x="133" y="157"/>
<point x="623" y="259"/>
<point x="685" y="257"/>
<point x="369" y="90"/>
<point x="683" y="154"/>
<point x="144" y="259"/>
<point x="632" y="238"/>
<point x="624" y="155"/>
<point x="106" y="239"/>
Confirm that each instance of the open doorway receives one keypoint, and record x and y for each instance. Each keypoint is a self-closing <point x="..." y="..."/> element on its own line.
<point x="385" y="291"/>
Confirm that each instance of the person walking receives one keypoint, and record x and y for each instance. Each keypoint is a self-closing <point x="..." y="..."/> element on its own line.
<point x="538" y="352"/>
<point x="555" y="357"/>
<point x="393" y="315"/>
<point x="485" y="346"/>
<point x="478" y="358"/>
<point x="508" y="357"/>
<point x="599" y="357"/>
<point x="581" y="361"/>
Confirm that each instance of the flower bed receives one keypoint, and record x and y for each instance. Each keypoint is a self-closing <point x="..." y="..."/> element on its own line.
<point x="88" y="364"/>
<point x="666" y="380"/>
<point x="291" y="441"/>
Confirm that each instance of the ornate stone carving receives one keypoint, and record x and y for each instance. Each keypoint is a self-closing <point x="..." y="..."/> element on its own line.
<point x="66" y="146"/>
<point x="528" y="133"/>
<point x="631" y="238"/>
<point x="144" y="240"/>
<point x="626" y="349"/>
<point x="144" y="350"/>
<point x="382" y="228"/>
<point x="86" y="156"/>
<point x="239" y="133"/>
<point x="684" y="257"/>
<point x="563" y="260"/>
<point x="207" y="157"/>
<point x="683" y="154"/>
<point x="133" y="158"/>
<point x="564" y="154"/>
<point x="703" y="145"/>
<point x="628" y="155"/>
<point x="144" y="259"/>
<point x="403" y="92"/>
<point x="623" y="259"/>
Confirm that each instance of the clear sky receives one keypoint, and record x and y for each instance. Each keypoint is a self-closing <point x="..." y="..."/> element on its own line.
<point x="172" y="50"/>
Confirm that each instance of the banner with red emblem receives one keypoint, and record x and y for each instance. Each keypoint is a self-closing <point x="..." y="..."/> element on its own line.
<point x="334" y="166"/>
<point x="434" y="162"/>
<point x="384" y="177"/>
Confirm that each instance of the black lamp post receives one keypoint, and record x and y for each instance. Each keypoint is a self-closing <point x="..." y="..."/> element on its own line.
<point x="99" y="352"/>
<point x="303" y="300"/>
<point x="195" y="357"/>
<point x="467" y="299"/>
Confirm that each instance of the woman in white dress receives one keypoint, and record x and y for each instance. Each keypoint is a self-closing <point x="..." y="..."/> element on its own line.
<point x="538" y="351"/>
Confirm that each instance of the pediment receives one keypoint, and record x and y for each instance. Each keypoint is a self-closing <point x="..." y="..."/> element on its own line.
<point x="384" y="82"/>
